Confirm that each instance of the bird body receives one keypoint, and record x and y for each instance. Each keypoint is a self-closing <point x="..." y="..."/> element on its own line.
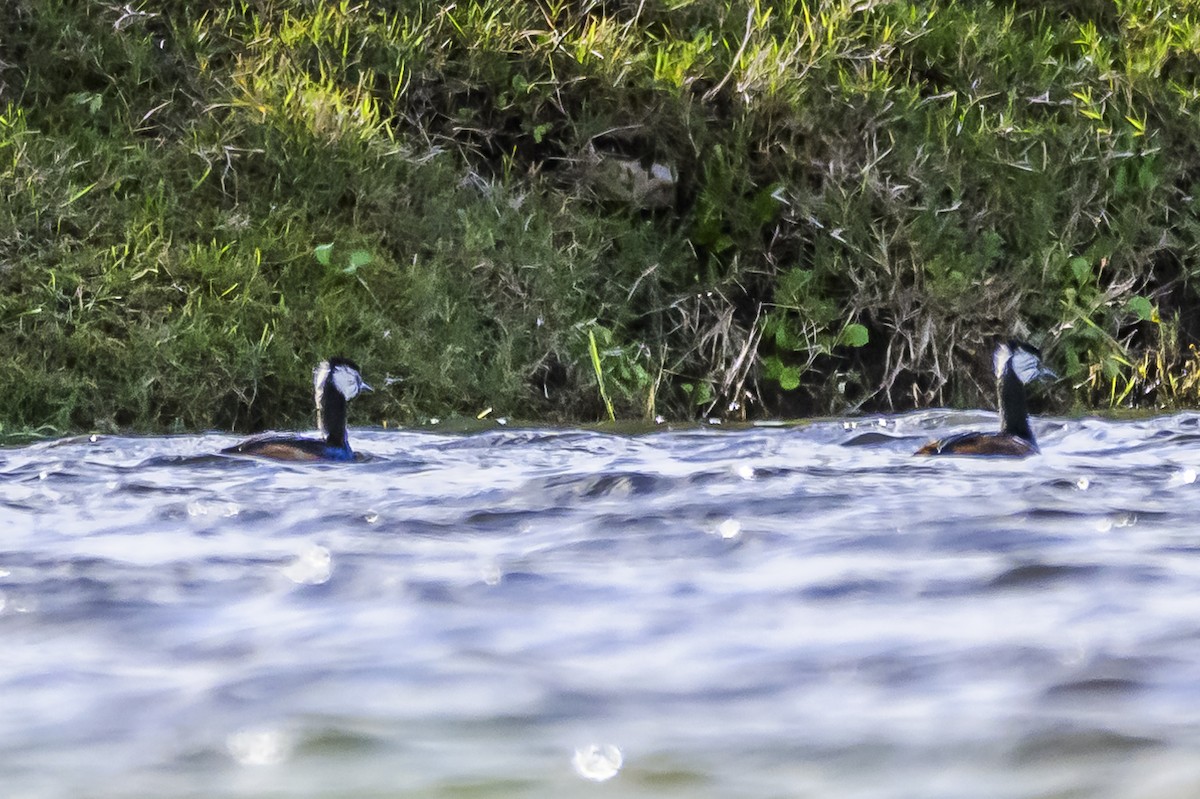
<point x="335" y="383"/>
<point x="1015" y="364"/>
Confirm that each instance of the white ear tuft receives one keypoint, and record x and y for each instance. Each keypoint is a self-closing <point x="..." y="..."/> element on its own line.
<point x="320" y="375"/>
<point x="1000" y="359"/>
<point x="347" y="381"/>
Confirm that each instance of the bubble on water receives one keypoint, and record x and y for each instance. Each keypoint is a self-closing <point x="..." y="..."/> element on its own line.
<point x="1108" y="523"/>
<point x="744" y="471"/>
<point x="597" y="762"/>
<point x="200" y="508"/>
<point x="312" y="567"/>
<point x="1183" y="477"/>
<point x="1083" y="484"/>
<point x="729" y="529"/>
<point x="261" y="747"/>
<point x="492" y="575"/>
<point x="1073" y="655"/>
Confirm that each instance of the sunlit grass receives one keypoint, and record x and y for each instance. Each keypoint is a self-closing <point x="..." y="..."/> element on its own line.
<point x="558" y="208"/>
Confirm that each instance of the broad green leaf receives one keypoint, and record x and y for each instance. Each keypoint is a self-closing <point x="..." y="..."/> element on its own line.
<point x="1143" y="308"/>
<point x="789" y="379"/>
<point x="855" y="335"/>
<point x="323" y="252"/>
<point x="1081" y="268"/>
<point x="357" y="258"/>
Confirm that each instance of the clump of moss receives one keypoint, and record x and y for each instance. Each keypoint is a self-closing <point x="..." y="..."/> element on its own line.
<point x="704" y="207"/>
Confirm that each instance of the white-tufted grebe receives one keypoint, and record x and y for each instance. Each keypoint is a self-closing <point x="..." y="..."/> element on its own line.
<point x="335" y="383"/>
<point x="1016" y="363"/>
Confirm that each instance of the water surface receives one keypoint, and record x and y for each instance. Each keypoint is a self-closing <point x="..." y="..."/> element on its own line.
<point x="801" y="611"/>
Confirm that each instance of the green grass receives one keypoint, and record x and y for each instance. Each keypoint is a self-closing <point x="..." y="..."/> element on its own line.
<point x="554" y="209"/>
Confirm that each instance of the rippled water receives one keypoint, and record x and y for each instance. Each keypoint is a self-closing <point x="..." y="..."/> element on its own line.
<point x="794" y="611"/>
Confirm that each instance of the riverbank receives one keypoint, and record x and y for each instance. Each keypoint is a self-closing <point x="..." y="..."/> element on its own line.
<point x="562" y="211"/>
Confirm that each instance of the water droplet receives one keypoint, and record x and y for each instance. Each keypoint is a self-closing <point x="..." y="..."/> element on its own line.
<point x="310" y="568"/>
<point x="729" y="529"/>
<point x="258" y="747"/>
<point x="597" y="762"/>
<point x="43" y="474"/>
<point x="93" y="438"/>
<point x="1082" y="483"/>
<point x="370" y="517"/>
<point x="492" y="575"/>
<point x="744" y="471"/>
<point x="1183" y="477"/>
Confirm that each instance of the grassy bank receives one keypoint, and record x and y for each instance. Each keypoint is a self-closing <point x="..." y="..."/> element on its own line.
<point x="556" y="208"/>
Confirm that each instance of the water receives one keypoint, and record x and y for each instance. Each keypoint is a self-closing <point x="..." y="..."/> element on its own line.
<point x="794" y="612"/>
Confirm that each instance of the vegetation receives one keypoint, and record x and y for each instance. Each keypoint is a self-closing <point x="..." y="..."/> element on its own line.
<point x="571" y="209"/>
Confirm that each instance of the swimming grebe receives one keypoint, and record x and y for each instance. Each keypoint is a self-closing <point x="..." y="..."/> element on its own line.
<point x="1016" y="363"/>
<point x="335" y="382"/>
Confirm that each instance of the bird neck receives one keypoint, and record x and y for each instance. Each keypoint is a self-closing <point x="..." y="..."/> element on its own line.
<point x="1014" y="415"/>
<point x="331" y="416"/>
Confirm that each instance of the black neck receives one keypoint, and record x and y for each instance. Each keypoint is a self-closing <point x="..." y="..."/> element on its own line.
<point x="331" y="416"/>
<point x="1014" y="416"/>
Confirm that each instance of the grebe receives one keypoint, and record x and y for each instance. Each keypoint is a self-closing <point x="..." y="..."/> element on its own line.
<point x="335" y="383"/>
<point x="1016" y="363"/>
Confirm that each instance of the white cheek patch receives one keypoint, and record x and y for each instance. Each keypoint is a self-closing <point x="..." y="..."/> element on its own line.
<point x="1026" y="365"/>
<point x="347" y="381"/>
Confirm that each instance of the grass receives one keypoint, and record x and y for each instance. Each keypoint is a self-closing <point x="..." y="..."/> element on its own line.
<point x="571" y="210"/>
